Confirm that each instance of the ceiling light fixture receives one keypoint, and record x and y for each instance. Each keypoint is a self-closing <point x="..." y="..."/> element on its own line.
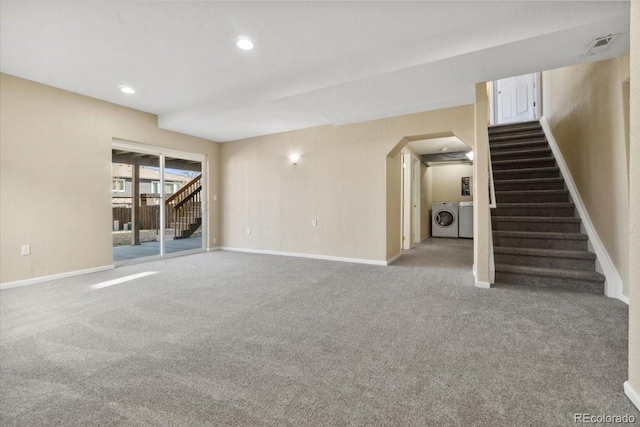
<point x="244" y="43"/>
<point x="444" y="148"/>
<point x="128" y="90"/>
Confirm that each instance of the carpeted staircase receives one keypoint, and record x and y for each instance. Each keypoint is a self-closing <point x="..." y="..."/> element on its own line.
<point x="536" y="236"/>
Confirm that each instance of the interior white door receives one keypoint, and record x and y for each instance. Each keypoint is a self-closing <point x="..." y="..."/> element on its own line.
<point x="515" y="98"/>
<point x="406" y="201"/>
<point x="415" y="201"/>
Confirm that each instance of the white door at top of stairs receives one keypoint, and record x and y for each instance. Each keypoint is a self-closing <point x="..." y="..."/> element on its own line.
<point x="444" y="220"/>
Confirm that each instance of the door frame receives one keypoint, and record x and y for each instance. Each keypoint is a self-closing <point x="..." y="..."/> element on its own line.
<point x="162" y="153"/>
<point x="537" y="97"/>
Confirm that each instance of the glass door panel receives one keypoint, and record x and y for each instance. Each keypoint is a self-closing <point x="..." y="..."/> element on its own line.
<point x="135" y="204"/>
<point x="183" y="205"/>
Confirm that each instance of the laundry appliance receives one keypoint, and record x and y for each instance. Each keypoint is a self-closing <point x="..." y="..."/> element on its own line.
<point x="444" y="220"/>
<point x="465" y="220"/>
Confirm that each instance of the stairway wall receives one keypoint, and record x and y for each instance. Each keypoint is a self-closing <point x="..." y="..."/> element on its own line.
<point x="584" y="106"/>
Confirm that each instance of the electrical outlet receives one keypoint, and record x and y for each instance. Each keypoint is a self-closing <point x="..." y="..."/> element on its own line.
<point x="248" y="231"/>
<point x="215" y="197"/>
<point x="215" y="240"/>
<point x="25" y="250"/>
<point x="314" y="222"/>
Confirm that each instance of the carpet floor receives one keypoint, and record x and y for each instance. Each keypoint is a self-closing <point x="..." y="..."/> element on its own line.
<point x="236" y="339"/>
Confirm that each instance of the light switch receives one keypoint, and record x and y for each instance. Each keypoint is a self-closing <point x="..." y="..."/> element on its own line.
<point x="25" y="250"/>
<point x="314" y="222"/>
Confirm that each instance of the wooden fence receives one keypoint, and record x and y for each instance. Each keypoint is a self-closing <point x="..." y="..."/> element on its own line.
<point x="149" y="217"/>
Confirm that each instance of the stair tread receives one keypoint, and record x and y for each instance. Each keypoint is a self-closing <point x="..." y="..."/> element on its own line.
<point x="536" y="205"/>
<point x="494" y="130"/>
<point x="528" y="170"/>
<point x="530" y="151"/>
<point x="526" y="180"/>
<point x="541" y="235"/>
<point x="557" y="253"/>
<point x="531" y="192"/>
<point x="565" y="273"/>
<point x="525" y="161"/>
<point x="516" y="136"/>
<point x="523" y="218"/>
<point x="516" y="143"/>
<point x="513" y="124"/>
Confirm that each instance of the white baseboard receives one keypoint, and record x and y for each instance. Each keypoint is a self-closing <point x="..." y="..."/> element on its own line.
<point x="313" y="256"/>
<point x="483" y="285"/>
<point x="633" y="395"/>
<point x="393" y="259"/>
<point x="215" y="248"/>
<point x="613" y="283"/>
<point x="42" y="279"/>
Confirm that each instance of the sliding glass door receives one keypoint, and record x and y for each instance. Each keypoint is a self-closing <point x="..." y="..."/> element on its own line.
<point x="183" y="202"/>
<point x="158" y="202"/>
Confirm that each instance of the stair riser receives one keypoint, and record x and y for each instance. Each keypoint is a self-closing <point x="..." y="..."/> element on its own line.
<point x="541" y="227"/>
<point x="497" y="148"/>
<point x="529" y="185"/>
<point x="532" y="198"/>
<point x="527" y="280"/>
<point x="533" y="163"/>
<point x="533" y="211"/>
<point x="547" y="262"/>
<point x="519" y="155"/>
<point x="524" y="173"/>
<point x="517" y="242"/>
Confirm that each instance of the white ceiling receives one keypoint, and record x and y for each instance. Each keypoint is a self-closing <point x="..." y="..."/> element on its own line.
<point x="314" y="63"/>
<point x="435" y="145"/>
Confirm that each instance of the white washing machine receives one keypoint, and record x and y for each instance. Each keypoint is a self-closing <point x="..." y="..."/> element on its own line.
<point x="444" y="220"/>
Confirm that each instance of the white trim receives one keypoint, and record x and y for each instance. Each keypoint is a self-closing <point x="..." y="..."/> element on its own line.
<point x="313" y="256"/>
<point x="633" y="395"/>
<point x="613" y="283"/>
<point x="394" y="259"/>
<point x="483" y="285"/>
<point x="42" y="279"/>
<point x="213" y="249"/>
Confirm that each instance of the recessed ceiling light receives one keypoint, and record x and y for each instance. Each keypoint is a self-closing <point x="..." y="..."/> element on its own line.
<point x="244" y="43"/>
<point x="127" y="89"/>
<point x="444" y="149"/>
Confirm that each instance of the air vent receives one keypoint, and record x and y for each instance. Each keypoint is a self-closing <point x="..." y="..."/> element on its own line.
<point x="600" y="44"/>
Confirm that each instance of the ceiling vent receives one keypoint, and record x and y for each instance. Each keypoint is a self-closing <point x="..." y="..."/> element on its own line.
<point x="600" y="44"/>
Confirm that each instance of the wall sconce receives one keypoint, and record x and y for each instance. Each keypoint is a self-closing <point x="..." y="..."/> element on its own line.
<point x="294" y="158"/>
<point x="470" y="155"/>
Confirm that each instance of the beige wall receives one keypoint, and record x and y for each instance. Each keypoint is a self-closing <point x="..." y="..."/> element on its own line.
<point x="482" y="239"/>
<point x="446" y="182"/>
<point x="584" y="105"/>
<point x="55" y="179"/>
<point x="634" y="179"/>
<point x="348" y="178"/>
